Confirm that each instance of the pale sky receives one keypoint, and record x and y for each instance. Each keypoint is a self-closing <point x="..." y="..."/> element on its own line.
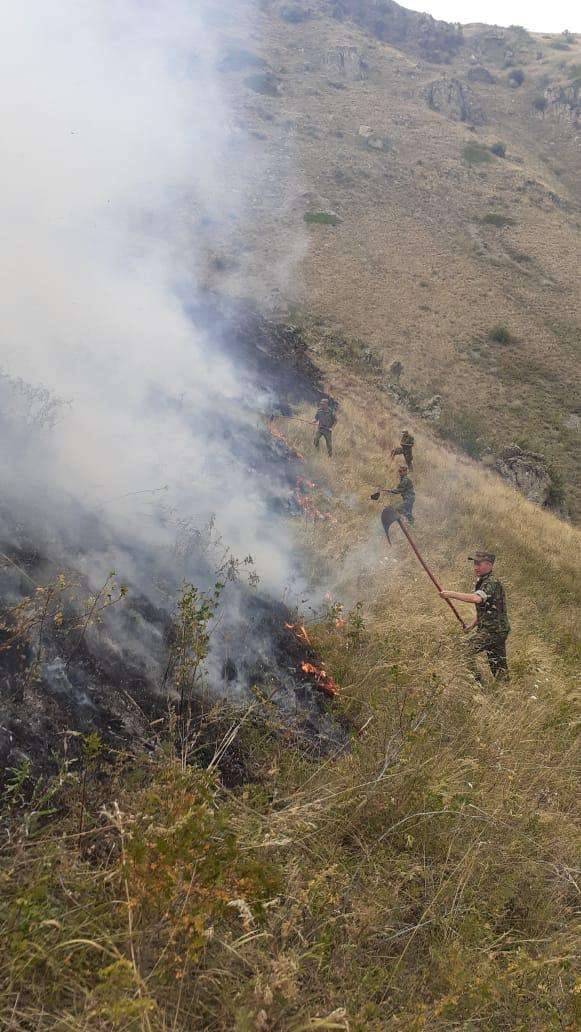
<point x="533" y="14"/>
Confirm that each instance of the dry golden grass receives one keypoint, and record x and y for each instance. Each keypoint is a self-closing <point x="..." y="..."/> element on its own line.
<point x="425" y="878"/>
<point x="412" y="269"/>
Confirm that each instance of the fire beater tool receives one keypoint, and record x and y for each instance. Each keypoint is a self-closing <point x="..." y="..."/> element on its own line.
<point x="390" y="516"/>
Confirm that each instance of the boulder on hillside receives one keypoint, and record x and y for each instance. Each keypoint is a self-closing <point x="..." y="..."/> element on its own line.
<point x="528" y="472"/>
<point x="346" y="62"/>
<point x="564" y="102"/>
<point x="455" y="100"/>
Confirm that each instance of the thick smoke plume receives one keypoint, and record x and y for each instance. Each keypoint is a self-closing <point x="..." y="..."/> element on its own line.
<point x="120" y="150"/>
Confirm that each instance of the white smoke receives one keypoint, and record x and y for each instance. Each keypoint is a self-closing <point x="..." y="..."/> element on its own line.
<point x="117" y="139"/>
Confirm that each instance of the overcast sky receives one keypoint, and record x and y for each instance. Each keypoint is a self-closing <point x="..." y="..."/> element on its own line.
<point x="533" y="14"/>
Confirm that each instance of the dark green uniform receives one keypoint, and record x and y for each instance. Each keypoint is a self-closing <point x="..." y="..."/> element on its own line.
<point x="492" y="626"/>
<point x="326" y="419"/>
<point x="406" y="449"/>
<point x="405" y="488"/>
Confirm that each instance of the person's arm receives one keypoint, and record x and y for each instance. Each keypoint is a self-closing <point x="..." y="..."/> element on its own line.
<point x="460" y="596"/>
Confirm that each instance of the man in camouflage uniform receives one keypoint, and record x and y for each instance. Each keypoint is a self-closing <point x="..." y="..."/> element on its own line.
<point x="325" y="420"/>
<point x="491" y="621"/>
<point x="405" y="488"/>
<point x="405" y="448"/>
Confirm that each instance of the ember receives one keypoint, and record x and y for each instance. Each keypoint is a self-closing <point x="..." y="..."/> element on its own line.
<point x="322" y="680"/>
<point x="305" y="502"/>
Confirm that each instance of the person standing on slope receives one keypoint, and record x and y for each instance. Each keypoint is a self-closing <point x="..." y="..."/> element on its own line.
<point x="491" y="620"/>
<point x="325" y="420"/>
<point x="405" y="448"/>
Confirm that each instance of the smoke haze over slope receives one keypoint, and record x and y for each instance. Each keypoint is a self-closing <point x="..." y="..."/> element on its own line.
<point x="118" y="144"/>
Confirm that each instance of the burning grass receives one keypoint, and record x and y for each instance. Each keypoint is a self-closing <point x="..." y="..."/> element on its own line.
<point x="425" y="878"/>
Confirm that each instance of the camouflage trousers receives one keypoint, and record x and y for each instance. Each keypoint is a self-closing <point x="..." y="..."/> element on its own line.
<point x="328" y="435"/>
<point x="494" y="648"/>
<point x="407" y="451"/>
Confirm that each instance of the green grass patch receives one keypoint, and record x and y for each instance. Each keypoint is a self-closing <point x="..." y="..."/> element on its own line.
<point x="500" y="334"/>
<point x="321" y="218"/>
<point x="476" y="154"/>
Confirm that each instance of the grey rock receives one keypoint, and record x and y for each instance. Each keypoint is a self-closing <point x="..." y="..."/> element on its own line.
<point x="527" y="472"/>
<point x="346" y="62"/>
<point x="454" y="99"/>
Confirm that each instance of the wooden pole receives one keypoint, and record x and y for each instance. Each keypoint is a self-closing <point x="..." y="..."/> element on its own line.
<point x="429" y="572"/>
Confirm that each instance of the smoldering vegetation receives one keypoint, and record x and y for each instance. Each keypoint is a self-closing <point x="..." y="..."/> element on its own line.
<point x="136" y="460"/>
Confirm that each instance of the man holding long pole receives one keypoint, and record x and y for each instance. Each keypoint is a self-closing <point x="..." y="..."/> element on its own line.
<point x="491" y="620"/>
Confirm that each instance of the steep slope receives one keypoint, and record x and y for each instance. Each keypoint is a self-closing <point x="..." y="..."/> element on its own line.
<point x="423" y="877"/>
<point x="436" y="241"/>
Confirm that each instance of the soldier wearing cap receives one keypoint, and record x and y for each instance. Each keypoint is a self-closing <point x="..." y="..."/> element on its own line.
<point x="324" y="420"/>
<point x="405" y="488"/>
<point x="405" y="448"/>
<point x="491" y="621"/>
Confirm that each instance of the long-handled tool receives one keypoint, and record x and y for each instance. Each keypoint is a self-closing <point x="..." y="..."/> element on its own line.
<point x="390" y="516"/>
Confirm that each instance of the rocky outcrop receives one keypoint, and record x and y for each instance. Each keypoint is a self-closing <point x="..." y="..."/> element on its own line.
<point x="454" y="99"/>
<point x="528" y="472"/>
<point x="346" y="62"/>
<point x="564" y="102"/>
<point x="435" y="41"/>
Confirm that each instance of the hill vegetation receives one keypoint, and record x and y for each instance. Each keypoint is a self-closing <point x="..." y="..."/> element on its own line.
<point x="440" y="235"/>
<point x="422" y="877"/>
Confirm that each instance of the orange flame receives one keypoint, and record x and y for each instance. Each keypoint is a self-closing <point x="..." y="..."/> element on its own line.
<point x="323" y="681"/>
<point x="300" y="631"/>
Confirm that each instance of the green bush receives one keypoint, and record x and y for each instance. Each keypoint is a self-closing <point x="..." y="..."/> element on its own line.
<point x="492" y="218"/>
<point x="265" y="83"/>
<point x="321" y="218"/>
<point x="465" y="430"/>
<point x="540" y="104"/>
<point x="500" y="334"/>
<point x="516" y="77"/>
<point x="499" y="149"/>
<point x="476" y="154"/>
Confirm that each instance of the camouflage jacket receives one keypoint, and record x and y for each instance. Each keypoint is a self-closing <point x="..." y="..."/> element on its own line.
<point x="326" y="420"/>
<point x="405" y="488"/>
<point x="491" y="615"/>
<point x="407" y="441"/>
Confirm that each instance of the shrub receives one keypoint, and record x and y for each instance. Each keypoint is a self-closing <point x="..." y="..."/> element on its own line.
<point x="492" y="218"/>
<point x="559" y="45"/>
<point x="465" y="430"/>
<point x="499" y="149"/>
<point x="322" y="218"/>
<point x="540" y="104"/>
<point x="556" y="493"/>
<point x="263" y="82"/>
<point x="516" y="77"/>
<point x="500" y="334"/>
<point x="476" y="154"/>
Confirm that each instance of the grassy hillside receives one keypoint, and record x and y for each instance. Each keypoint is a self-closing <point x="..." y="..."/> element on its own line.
<point x="434" y="239"/>
<point x="425" y="878"/>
